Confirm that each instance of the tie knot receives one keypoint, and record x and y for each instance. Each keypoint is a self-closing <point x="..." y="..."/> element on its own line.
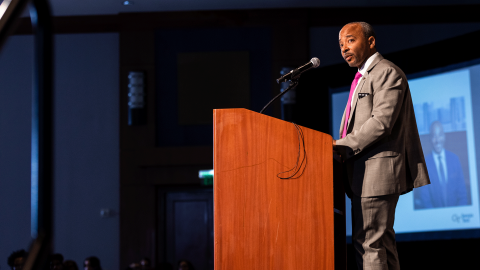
<point x="358" y="76"/>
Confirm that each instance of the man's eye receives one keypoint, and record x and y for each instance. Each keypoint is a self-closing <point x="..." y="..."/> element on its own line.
<point x="350" y="40"/>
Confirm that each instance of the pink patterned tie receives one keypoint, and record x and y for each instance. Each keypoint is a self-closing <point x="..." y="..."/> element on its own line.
<point x="352" y="90"/>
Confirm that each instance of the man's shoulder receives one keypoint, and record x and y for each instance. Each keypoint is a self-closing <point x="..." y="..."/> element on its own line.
<point x="385" y="64"/>
<point x="387" y="72"/>
<point x="429" y="157"/>
<point x="451" y="155"/>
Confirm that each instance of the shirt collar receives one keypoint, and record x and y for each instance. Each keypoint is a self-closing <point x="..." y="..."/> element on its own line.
<point x="367" y="63"/>
<point x="441" y="155"/>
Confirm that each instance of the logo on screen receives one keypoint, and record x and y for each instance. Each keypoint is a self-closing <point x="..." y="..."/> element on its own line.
<point x="462" y="218"/>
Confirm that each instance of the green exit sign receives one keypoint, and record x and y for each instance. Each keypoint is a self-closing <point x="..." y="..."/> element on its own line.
<point x="206" y="176"/>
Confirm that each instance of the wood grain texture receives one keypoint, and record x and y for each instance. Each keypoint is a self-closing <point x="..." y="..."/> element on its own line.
<point x="261" y="221"/>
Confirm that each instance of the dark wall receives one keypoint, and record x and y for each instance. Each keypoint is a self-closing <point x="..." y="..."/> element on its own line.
<point x="15" y="125"/>
<point x="169" y="44"/>
<point x="86" y="146"/>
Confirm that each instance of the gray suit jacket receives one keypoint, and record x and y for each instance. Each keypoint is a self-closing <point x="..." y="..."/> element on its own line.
<point x="382" y="150"/>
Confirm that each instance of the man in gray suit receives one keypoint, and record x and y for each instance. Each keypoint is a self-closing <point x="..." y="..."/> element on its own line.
<point x="379" y="147"/>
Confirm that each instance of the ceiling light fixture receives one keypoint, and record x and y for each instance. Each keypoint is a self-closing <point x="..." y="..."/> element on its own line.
<point x="127" y="3"/>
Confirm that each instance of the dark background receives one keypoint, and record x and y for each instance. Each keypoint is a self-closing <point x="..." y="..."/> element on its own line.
<point x="147" y="175"/>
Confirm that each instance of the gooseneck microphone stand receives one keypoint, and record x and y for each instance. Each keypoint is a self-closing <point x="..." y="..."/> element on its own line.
<point x="293" y="84"/>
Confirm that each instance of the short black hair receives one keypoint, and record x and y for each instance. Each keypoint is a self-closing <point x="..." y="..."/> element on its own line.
<point x="56" y="256"/>
<point x="70" y="265"/>
<point x="190" y="265"/>
<point x="16" y="254"/>
<point x="94" y="262"/>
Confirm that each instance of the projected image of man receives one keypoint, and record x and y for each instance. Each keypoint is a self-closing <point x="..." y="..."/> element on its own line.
<point x="445" y="170"/>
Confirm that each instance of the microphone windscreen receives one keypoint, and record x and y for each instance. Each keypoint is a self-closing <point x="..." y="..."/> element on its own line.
<point x="315" y="61"/>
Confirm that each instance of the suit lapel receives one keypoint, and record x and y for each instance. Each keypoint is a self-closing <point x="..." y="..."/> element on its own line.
<point x="439" y="202"/>
<point x="375" y="62"/>
<point x="450" y="176"/>
<point x="434" y="188"/>
<point x="360" y="86"/>
<point x="343" y="122"/>
<point x="355" y="98"/>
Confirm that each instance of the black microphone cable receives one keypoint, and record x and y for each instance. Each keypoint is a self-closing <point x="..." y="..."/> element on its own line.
<point x="298" y="168"/>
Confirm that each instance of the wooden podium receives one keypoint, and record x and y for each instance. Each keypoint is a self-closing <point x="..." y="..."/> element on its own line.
<point x="262" y="221"/>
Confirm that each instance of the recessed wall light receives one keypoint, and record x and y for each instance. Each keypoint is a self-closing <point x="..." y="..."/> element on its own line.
<point x="127" y="3"/>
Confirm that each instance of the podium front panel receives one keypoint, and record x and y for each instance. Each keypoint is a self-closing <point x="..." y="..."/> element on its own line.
<point x="260" y="220"/>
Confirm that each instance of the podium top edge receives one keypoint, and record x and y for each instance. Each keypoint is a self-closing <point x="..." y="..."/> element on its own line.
<point x="215" y="111"/>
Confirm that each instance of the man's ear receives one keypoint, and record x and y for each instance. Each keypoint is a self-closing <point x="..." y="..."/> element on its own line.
<point x="371" y="42"/>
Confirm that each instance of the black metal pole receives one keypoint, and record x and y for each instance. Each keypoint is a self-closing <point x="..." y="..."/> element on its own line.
<point x="9" y="21"/>
<point x="292" y="85"/>
<point x="42" y="138"/>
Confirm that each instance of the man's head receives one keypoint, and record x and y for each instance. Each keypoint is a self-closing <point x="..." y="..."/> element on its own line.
<point x="185" y="265"/>
<point x="17" y="259"/>
<point x="56" y="262"/>
<point x="437" y="136"/>
<point x="357" y="43"/>
<point x="92" y="263"/>
<point x="145" y="263"/>
<point x="70" y="265"/>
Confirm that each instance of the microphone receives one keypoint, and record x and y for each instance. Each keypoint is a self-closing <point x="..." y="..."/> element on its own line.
<point x="314" y="63"/>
